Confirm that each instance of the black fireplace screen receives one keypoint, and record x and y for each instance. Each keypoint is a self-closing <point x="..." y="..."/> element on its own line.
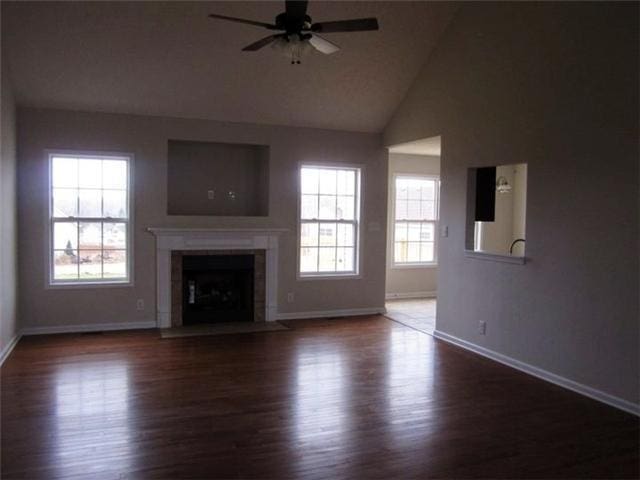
<point x="217" y="288"/>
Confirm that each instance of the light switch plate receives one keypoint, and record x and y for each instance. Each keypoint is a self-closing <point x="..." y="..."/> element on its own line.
<point x="444" y="231"/>
<point x="210" y="194"/>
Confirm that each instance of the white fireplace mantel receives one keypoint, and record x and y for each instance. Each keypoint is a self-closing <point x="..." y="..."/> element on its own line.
<point x="168" y="239"/>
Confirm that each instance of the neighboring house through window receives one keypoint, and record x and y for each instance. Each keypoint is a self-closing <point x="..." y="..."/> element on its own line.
<point x="329" y="220"/>
<point x="415" y="220"/>
<point x="89" y="224"/>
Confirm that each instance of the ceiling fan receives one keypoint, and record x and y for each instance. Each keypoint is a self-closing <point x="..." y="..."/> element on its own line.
<point x="299" y="33"/>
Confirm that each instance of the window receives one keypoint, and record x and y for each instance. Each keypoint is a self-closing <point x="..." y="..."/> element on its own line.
<point x="329" y="220"/>
<point x="89" y="219"/>
<point x="416" y="220"/>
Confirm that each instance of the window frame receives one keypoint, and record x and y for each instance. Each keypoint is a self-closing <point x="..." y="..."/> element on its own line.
<point x="50" y="282"/>
<point x="436" y="222"/>
<point x="357" y="271"/>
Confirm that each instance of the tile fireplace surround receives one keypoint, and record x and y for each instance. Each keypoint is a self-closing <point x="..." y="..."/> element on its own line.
<point x="187" y="241"/>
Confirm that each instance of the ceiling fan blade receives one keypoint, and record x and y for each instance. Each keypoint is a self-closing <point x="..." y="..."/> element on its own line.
<point x="323" y="45"/>
<point x="296" y="8"/>
<point x="355" y="25"/>
<point x="263" y="42"/>
<point x="243" y="20"/>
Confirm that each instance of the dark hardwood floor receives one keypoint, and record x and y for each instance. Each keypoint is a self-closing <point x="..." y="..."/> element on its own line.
<point x="347" y="398"/>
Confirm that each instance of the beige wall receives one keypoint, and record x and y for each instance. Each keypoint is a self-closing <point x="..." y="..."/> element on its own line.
<point x="553" y="85"/>
<point x="8" y="226"/>
<point x="146" y="138"/>
<point x="408" y="280"/>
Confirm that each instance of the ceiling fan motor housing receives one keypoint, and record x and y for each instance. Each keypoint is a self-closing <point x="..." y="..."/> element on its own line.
<point x="292" y="25"/>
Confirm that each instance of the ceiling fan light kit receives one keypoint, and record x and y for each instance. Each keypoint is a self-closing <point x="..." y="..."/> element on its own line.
<point x="292" y="47"/>
<point x="299" y="34"/>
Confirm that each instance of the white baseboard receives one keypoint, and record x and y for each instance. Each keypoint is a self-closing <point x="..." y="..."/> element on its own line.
<point x="580" y="388"/>
<point x="8" y="348"/>
<point x="95" y="327"/>
<point x="394" y="296"/>
<point x="349" y="312"/>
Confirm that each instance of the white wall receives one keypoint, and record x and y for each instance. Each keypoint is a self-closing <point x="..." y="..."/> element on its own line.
<point x="8" y="226"/>
<point x="146" y="138"/>
<point x="496" y="236"/>
<point x="403" y="281"/>
<point x="519" y="208"/>
<point x="553" y="85"/>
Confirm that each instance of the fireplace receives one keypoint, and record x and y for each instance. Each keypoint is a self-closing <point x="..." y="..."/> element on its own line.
<point x="211" y="286"/>
<point x="217" y="288"/>
<point x="172" y="244"/>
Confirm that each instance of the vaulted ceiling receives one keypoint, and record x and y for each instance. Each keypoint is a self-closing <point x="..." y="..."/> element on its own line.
<point x="169" y="59"/>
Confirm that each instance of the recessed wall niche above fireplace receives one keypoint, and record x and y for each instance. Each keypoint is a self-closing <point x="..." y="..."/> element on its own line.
<point x="217" y="179"/>
<point x="213" y="286"/>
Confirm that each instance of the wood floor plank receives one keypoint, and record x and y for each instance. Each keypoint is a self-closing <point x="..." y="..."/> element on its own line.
<point x="342" y="398"/>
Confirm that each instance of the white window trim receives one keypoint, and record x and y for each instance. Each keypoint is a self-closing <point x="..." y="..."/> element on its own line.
<point x="357" y="274"/>
<point x="50" y="283"/>
<point x="408" y="265"/>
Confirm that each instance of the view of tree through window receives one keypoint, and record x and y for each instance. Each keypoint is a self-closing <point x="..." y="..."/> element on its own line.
<point x="89" y="218"/>
<point x="416" y="215"/>
<point x="328" y="220"/>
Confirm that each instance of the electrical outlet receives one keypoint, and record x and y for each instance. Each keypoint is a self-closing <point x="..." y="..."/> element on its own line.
<point x="210" y="194"/>
<point x="140" y="304"/>
<point x="290" y="297"/>
<point x="482" y="327"/>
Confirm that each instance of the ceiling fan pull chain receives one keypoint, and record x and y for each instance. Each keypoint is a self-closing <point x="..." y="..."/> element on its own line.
<point x="295" y="55"/>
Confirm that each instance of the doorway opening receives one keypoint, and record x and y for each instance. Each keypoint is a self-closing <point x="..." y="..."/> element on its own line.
<point x="413" y="232"/>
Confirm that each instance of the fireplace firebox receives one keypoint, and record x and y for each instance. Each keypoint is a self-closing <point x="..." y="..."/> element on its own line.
<point x="217" y="288"/>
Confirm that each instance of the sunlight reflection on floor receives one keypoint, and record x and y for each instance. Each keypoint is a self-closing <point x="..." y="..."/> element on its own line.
<point x="92" y="416"/>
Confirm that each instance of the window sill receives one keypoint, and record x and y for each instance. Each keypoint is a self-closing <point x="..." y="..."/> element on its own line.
<point x="405" y="266"/>
<point x="80" y="285"/>
<point x="495" y="257"/>
<point x="324" y="276"/>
